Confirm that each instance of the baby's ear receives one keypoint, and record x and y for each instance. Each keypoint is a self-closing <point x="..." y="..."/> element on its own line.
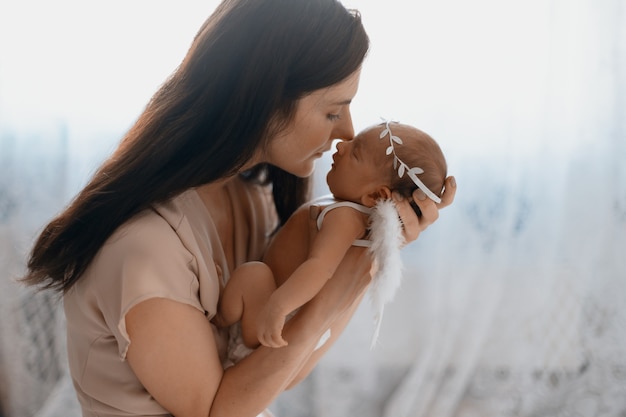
<point x="381" y="193"/>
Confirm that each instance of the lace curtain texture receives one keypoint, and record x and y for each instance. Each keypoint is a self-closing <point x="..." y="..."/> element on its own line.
<point x="512" y="305"/>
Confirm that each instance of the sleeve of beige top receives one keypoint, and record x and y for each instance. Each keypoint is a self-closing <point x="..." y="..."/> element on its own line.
<point x="147" y="260"/>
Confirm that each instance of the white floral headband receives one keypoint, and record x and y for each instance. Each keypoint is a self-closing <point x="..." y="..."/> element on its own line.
<point x="404" y="168"/>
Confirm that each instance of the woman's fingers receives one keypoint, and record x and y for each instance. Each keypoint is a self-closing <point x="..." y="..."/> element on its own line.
<point x="420" y="212"/>
<point x="410" y="221"/>
<point x="429" y="209"/>
<point x="448" y="193"/>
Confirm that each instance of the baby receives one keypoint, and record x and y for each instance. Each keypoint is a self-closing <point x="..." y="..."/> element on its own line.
<point x="380" y="159"/>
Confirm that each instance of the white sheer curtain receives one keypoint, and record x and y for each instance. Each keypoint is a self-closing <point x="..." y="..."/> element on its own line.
<point x="513" y="303"/>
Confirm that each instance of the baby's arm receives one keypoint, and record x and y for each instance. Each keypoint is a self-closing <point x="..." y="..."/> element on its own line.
<point x="340" y="228"/>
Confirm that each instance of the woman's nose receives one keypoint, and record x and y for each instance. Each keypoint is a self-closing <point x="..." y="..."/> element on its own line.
<point x="344" y="129"/>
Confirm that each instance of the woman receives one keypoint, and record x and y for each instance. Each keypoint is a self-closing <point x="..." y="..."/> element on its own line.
<point x="144" y="250"/>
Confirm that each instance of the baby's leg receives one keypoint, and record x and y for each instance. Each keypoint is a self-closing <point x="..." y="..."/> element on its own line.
<point x="245" y="294"/>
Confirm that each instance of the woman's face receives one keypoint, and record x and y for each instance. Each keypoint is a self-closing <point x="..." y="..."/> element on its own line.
<point x="320" y="117"/>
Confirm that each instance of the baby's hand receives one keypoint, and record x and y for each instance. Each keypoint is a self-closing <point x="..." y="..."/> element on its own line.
<point x="270" y="327"/>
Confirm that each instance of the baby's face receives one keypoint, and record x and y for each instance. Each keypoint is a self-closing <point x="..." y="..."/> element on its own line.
<point x="359" y="166"/>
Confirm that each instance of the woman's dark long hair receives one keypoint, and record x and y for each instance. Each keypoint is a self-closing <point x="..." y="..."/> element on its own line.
<point x="237" y="86"/>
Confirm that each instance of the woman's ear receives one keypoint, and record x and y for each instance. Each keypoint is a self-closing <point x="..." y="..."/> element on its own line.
<point x="381" y="193"/>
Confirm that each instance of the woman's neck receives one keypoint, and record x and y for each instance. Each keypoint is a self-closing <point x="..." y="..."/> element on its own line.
<point x="215" y="188"/>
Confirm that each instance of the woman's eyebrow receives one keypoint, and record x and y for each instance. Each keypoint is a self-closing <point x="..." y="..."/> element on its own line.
<point x="343" y="103"/>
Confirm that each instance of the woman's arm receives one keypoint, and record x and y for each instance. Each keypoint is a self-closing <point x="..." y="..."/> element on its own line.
<point x="173" y="350"/>
<point x="355" y="258"/>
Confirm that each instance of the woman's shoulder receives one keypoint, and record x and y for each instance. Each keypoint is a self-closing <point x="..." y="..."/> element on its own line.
<point x="144" y="257"/>
<point x="148" y="226"/>
<point x="147" y="237"/>
<point x="151" y="234"/>
<point x="161" y="224"/>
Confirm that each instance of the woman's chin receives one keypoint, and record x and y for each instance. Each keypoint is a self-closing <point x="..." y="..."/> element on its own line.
<point x="302" y="169"/>
<point x="306" y="169"/>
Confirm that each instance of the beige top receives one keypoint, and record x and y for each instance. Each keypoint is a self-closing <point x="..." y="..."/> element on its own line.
<point x="172" y="251"/>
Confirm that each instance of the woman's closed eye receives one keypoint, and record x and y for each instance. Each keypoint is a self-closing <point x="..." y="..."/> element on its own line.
<point x="333" y="117"/>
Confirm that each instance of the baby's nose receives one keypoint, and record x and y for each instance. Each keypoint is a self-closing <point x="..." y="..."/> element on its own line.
<point x="341" y="145"/>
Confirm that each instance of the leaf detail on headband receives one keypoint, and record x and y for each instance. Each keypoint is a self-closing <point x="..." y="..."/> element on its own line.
<point x="401" y="170"/>
<point x="401" y="166"/>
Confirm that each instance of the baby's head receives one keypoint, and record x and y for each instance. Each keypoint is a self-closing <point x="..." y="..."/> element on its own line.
<point x="418" y="150"/>
<point x="368" y="168"/>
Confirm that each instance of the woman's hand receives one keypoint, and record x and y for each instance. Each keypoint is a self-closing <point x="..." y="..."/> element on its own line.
<point x="414" y="225"/>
